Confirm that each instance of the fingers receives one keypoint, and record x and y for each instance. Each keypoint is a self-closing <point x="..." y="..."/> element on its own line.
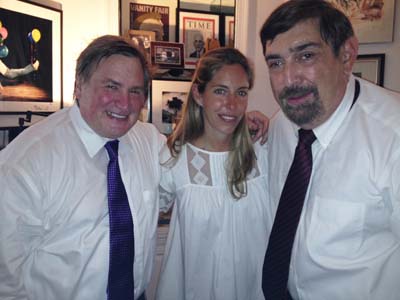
<point x="258" y="125"/>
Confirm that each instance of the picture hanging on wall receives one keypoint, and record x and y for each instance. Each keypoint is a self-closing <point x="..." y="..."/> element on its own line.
<point x="168" y="98"/>
<point x="229" y="31"/>
<point x="195" y="30"/>
<point x="155" y="15"/>
<point x="372" y="20"/>
<point x="167" y="55"/>
<point x="370" y="67"/>
<point x="30" y="56"/>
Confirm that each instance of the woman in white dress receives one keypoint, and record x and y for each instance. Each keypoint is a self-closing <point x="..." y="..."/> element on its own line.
<point x="217" y="181"/>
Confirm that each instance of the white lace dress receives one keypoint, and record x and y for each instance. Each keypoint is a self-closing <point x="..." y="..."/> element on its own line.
<point x="216" y="245"/>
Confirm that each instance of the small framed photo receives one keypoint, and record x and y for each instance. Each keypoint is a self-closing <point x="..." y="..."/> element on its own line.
<point x="142" y="38"/>
<point x="229" y="31"/>
<point x="195" y="28"/>
<point x="370" y="67"/>
<point x="167" y="55"/>
<point x="167" y="101"/>
<point x="158" y="16"/>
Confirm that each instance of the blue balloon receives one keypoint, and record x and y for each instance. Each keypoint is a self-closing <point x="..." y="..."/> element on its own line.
<point x="3" y="51"/>
<point x="30" y="38"/>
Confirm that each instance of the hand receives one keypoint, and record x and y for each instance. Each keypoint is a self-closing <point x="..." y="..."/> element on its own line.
<point x="258" y="125"/>
<point x="35" y="65"/>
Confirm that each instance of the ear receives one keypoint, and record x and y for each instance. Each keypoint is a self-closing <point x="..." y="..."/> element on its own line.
<point x="196" y="94"/>
<point x="77" y="89"/>
<point x="349" y="54"/>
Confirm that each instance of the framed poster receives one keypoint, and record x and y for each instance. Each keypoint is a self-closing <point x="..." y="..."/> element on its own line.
<point x="229" y="31"/>
<point x="30" y="56"/>
<point x="370" y="67"/>
<point x="167" y="55"/>
<point x="372" y="20"/>
<point x="195" y="29"/>
<point x="151" y="15"/>
<point x="167" y="100"/>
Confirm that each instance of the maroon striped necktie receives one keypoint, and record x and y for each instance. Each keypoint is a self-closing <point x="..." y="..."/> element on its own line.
<point x="277" y="256"/>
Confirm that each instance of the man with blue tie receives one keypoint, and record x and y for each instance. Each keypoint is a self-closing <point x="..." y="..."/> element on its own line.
<point x="334" y="160"/>
<point x="79" y="190"/>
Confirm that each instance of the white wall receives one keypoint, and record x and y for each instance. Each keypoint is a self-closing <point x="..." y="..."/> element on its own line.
<point x="261" y="94"/>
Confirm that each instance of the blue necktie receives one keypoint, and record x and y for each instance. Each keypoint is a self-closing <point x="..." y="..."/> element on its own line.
<point x="277" y="257"/>
<point x="122" y="245"/>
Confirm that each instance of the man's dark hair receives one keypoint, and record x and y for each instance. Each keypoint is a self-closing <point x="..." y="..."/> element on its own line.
<point x="335" y="28"/>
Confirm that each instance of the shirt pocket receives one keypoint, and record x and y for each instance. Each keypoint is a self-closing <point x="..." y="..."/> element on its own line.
<point x="336" y="229"/>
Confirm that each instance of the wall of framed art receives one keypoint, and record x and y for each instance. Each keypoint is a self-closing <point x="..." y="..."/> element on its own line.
<point x="183" y="30"/>
<point x="80" y="26"/>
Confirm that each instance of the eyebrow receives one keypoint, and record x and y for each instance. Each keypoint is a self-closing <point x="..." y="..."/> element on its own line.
<point x="298" y="48"/>
<point x="226" y="87"/>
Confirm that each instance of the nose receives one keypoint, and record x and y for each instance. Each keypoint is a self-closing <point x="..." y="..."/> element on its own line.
<point x="231" y="101"/>
<point x="122" y="100"/>
<point x="292" y="73"/>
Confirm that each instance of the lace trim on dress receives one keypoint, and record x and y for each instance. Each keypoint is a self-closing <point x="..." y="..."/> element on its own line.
<point x="199" y="167"/>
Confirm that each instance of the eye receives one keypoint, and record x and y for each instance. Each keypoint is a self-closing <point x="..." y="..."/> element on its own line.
<point x="307" y="56"/>
<point x="137" y="91"/>
<point x="243" y="93"/>
<point x="111" y="86"/>
<point x="274" y="64"/>
<point x="220" y="91"/>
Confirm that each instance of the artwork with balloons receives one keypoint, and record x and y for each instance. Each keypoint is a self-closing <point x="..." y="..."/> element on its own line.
<point x="30" y="57"/>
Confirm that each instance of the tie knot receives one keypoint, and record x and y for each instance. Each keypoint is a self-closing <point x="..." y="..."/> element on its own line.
<point x="112" y="149"/>
<point x="306" y="137"/>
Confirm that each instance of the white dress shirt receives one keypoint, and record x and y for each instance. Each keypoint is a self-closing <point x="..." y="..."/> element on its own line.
<point x="347" y="244"/>
<point x="54" y="224"/>
<point x="216" y="244"/>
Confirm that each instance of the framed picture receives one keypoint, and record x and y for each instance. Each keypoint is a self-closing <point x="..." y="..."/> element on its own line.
<point x="142" y="38"/>
<point x="167" y="100"/>
<point x="195" y="29"/>
<point x="229" y="31"/>
<point x="167" y="55"/>
<point x="150" y="15"/>
<point x="30" y="56"/>
<point x="370" y="67"/>
<point x="220" y="6"/>
<point x="372" y="20"/>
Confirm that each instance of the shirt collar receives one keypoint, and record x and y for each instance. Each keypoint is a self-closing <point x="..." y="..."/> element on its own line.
<point x="326" y="131"/>
<point x="90" y="139"/>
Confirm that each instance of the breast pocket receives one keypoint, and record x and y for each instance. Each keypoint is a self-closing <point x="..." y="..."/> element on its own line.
<point x="336" y="229"/>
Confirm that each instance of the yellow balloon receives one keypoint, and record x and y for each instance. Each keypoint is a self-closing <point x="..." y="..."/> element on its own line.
<point x="36" y="35"/>
<point x="1" y="24"/>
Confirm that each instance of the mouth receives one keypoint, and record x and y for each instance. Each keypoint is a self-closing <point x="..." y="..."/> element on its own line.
<point x="299" y="99"/>
<point x="114" y="115"/>
<point x="228" y="118"/>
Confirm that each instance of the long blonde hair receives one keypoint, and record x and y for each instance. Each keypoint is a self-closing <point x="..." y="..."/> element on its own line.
<point x="241" y="159"/>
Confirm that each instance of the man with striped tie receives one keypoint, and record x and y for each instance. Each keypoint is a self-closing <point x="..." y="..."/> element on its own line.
<point x="334" y="159"/>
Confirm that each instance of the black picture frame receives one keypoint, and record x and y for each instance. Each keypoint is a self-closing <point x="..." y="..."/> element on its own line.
<point x="167" y="55"/>
<point x="34" y="34"/>
<point x="370" y="67"/>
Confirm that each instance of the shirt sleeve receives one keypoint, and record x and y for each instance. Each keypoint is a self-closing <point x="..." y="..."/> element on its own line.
<point x="394" y="194"/>
<point x="167" y="185"/>
<point x="20" y="228"/>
